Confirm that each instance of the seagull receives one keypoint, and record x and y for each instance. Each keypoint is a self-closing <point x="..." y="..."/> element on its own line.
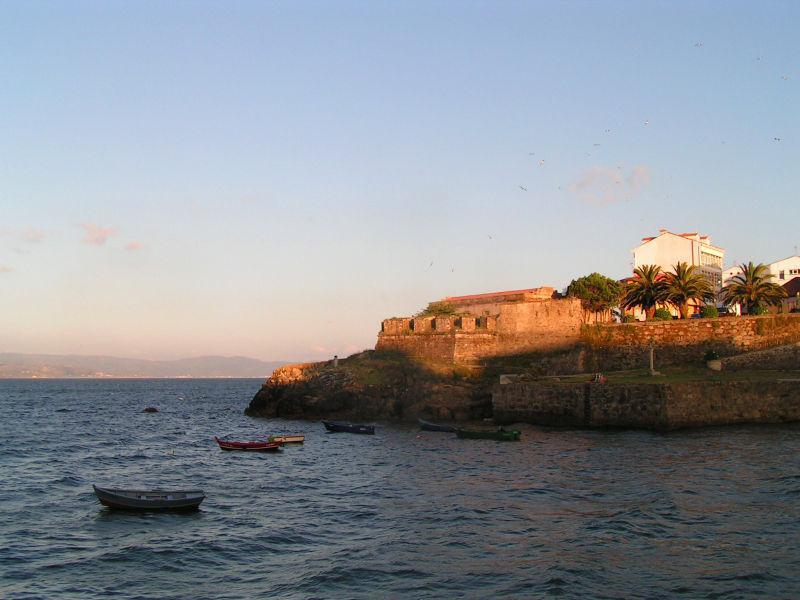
<point x="541" y="163"/>
<point x="608" y="131"/>
<point x="647" y="122"/>
<point x="531" y="153"/>
<point x="776" y="139"/>
<point x="785" y="78"/>
<point x="698" y="45"/>
<point x="430" y="265"/>
<point x="487" y="235"/>
<point x="596" y="144"/>
<point x="524" y="189"/>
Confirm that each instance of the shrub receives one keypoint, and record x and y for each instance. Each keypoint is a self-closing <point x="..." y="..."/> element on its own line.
<point x="711" y="355"/>
<point x="662" y="314"/>
<point x="709" y="312"/>
<point x="758" y="309"/>
<point x="796" y="309"/>
<point x="632" y="319"/>
<point x="437" y="309"/>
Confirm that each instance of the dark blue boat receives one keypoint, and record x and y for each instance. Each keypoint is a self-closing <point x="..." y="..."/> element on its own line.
<point x="338" y="427"/>
<point x="428" y="426"/>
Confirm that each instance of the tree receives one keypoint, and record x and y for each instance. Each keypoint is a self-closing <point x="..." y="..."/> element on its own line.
<point x="752" y="288"/>
<point x="647" y="288"/>
<point x="437" y="309"/>
<point x="686" y="284"/>
<point x="596" y="292"/>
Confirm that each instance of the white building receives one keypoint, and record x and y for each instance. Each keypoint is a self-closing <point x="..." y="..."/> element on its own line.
<point x="668" y="249"/>
<point x="782" y="270"/>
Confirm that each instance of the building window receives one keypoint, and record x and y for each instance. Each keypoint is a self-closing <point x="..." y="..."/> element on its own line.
<point x="710" y="260"/>
<point x="781" y="275"/>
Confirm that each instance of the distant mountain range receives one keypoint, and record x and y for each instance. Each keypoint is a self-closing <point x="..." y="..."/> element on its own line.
<point x="41" y="366"/>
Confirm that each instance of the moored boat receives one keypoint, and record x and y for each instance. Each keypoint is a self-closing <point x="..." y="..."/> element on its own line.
<point x="259" y="446"/>
<point x="149" y="499"/>
<point x="428" y="426"/>
<point x="337" y="426"/>
<point x="287" y="439"/>
<point x="501" y="435"/>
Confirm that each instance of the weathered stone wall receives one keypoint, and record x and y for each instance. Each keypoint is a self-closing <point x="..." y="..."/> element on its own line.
<point x="554" y="331"/>
<point x="685" y="341"/>
<point x="783" y="358"/>
<point x="491" y="304"/>
<point x="647" y="406"/>
<point x="468" y="339"/>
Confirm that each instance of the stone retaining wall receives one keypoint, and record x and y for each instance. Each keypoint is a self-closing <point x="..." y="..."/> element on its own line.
<point x="647" y="406"/>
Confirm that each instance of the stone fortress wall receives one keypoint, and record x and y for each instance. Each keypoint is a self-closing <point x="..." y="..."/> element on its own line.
<point x="535" y="322"/>
<point x="466" y="340"/>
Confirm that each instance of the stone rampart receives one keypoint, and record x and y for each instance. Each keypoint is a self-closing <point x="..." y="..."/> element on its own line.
<point x="553" y="333"/>
<point x="467" y="340"/>
<point x="684" y="341"/>
<point x="647" y="406"/>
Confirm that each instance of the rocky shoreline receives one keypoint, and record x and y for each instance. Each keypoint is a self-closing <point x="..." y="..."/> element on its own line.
<point x="384" y="386"/>
<point x="370" y="386"/>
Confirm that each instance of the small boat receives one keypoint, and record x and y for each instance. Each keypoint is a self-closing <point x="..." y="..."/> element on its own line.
<point x="428" y="426"/>
<point x="268" y="446"/>
<point x="149" y="499"/>
<point x="287" y="439"/>
<point x="336" y="426"/>
<point x="501" y="435"/>
<point x="150" y="409"/>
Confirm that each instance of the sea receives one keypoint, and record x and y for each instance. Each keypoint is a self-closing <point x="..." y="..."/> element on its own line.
<point x="708" y="513"/>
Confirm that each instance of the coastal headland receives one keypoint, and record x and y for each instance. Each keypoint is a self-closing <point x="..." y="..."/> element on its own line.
<point x="531" y="357"/>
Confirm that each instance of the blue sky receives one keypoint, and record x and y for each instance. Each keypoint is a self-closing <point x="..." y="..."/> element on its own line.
<point x="272" y="179"/>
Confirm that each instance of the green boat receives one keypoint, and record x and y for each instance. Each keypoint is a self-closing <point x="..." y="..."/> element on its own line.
<point x="501" y="435"/>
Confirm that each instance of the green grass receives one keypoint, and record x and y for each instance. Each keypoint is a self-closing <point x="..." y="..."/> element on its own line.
<point x="683" y="374"/>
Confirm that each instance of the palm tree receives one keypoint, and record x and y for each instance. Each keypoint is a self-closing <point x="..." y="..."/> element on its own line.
<point x="646" y="289"/>
<point x="752" y="288"/>
<point x="686" y="284"/>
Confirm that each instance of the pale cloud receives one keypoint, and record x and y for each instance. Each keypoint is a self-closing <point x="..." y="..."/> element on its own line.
<point x="33" y="235"/>
<point x="134" y="245"/>
<point x="97" y="235"/>
<point x="607" y="185"/>
<point x="5" y="269"/>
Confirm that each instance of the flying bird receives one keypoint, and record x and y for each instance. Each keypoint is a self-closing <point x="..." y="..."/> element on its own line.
<point x="596" y="144"/>
<point x="430" y="265"/>
<point x="608" y="131"/>
<point x="776" y="139"/>
<point x="524" y="189"/>
<point x="541" y="163"/>
<point x="785" y="78"/>
<point x="647" y="122"/>
<point x="487" y="235"/>
<point x="698" y="45"/>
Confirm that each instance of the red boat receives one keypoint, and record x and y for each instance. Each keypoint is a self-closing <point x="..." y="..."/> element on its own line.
<point x="248" y="446"/>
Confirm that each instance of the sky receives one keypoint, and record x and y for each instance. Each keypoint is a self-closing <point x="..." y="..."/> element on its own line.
<point x="271" y="179"/>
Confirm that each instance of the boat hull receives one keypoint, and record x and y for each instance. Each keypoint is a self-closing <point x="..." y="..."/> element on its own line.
<point x="248" y="446"/>
<point x="287" y="439"/>
<point x="149" y="499"/>
<point x="428" y="426"/>
<point x="500" y="436"/>
<point x="336" y="427"/>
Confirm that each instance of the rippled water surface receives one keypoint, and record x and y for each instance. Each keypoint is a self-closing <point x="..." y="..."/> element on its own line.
<point x="404" y="513"/>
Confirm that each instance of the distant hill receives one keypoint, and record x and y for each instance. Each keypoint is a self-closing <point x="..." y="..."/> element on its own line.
<point x="13" y="365"/>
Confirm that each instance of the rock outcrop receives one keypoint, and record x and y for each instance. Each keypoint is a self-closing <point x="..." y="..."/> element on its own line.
<point x="370" y="386"/>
